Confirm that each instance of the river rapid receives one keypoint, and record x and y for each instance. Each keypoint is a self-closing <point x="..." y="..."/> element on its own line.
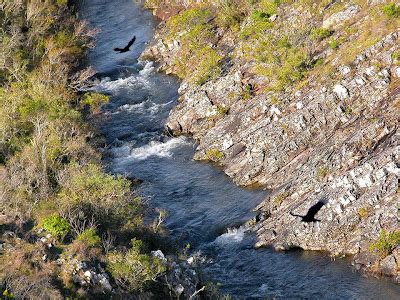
<point x="205" y="209"/>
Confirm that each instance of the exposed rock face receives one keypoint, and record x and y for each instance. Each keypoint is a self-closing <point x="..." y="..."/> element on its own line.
<point x="332" y="139"/>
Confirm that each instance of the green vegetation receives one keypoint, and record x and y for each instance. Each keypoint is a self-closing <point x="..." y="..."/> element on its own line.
<point x="391" y="10"/>
<point x="89" y="237"/>
<point x="322" y="172"/>
<point x="53" y="178"/>
<point x="320" y="33"/>
<point x="196" y="59"/>
<point x="132" y="269"/>
<point x="214" y="154"/>
<point x="278" y="199"/>
<point x="364" y="212"/>
<point x="334" y="44"/>
<point x="386" y="243"/>
<point x="57" y="226"/>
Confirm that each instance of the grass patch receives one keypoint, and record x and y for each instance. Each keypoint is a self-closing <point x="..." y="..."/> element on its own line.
<point x="214" y="154"/>
<point x="386" y="243"/>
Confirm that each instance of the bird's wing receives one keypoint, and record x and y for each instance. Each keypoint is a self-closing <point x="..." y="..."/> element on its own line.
<point x="117" y="49"/>
<point x="131" y="42"/>
<point x="315" y="208"/>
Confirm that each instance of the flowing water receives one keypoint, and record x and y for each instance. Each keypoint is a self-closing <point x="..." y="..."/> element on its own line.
<point x="202" y="202"/>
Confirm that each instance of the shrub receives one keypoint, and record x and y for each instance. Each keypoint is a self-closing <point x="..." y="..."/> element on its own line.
<point x="322" y="172"/>
<point x="364" y="212"/>
<point x="208" y="67"/>
<point x="89" y="237"/>
<point x="57" y="226"/>
<point x="132" y="270"/>
<point x="320" y="34"/>
<point x="334" y="44"/>
<point x="89" y="192"/>
<point x="231" y="13"/>
<point x="214" y="154"/>
<point x="95" y="100"/>
<point x="391" y="10"/>
<point x="259" y="15"/>
<point x="386" y="243"/>
<point x="270" y="7"/>
<point x="278" y="199"/>
<point x="186" y="20"/>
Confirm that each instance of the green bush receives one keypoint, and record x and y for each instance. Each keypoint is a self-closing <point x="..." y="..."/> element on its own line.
<point x="386" y="243"/>
<point x="89" y="237"/>
<point x="95" y="100"/>
<point x="208" y="67"/>
<point x="92" y="192"/>
<point x="132" y="270"/>
<point x="231" y="13"/>
<point x="214" y="154"/>
<point x="320" y="34"/>
<point x="57" y="226"/>
<point x="270" y="7"/>
<point x="391" y="10"/>
<point x="259" y="15"/>
<point x="334" y="44"/>
<point x="186" y="20"/>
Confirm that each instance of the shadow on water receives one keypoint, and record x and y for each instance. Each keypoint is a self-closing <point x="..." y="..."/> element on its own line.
<point x="201" y="201"/>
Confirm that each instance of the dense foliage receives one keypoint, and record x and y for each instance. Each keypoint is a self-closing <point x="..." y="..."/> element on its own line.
<point x="50" y="172"/>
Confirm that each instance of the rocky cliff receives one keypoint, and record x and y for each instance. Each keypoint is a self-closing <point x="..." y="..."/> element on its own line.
<point x="330" y="134"/>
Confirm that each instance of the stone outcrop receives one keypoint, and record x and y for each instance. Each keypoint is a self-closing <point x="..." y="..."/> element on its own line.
<point x="335" y="139"/>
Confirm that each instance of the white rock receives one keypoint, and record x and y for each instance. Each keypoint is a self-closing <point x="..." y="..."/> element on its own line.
<point x="365" y="181"/>
<point x="380" y="174"/>
<point x="299" y="105"/>
<point x="337" y="208"/>
<point x="228" y="142"/>
<point x="275" y="110"/>
<point x="397" y="72"/>
<point x="273" y="18"/>
<point x="360" y="80"/>
<point x="370" y="71"/>
<point x="344" y="70"/>
<point x="88" y="274"/>
<point x="392" y="168"/>
<point x="341" y="91"/>
<point x="341" y="16"/>
<point x="190" y="260"/>
<point x="179" y="289"/>
<point x="158" y="254"/>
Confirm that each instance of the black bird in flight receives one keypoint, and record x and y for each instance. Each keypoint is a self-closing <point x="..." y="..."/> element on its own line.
<point x="310" y="216"/>
<point x="126" y="49"/>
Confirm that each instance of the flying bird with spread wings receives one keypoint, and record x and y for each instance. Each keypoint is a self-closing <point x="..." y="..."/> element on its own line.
<point x="310" y="216"/>
<point x="127" y="47"/>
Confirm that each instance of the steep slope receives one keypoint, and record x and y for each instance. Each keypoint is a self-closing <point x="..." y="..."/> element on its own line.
<point x="302" y="98"/>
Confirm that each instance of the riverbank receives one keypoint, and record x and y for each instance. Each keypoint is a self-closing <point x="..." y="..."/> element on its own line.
<point x="68" y="228"/>
<point x="321" y="124"/>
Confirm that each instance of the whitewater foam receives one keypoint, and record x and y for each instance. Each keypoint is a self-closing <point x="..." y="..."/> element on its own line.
<point x="108" y="85"/>
<point x="233" y="235"/>
<point x="157" y="149"/>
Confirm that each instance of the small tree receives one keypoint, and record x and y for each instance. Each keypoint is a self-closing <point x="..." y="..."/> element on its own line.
<point x="132" y="270"/>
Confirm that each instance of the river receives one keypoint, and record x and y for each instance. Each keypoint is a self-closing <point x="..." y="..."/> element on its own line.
<point x="202" y="203"/>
